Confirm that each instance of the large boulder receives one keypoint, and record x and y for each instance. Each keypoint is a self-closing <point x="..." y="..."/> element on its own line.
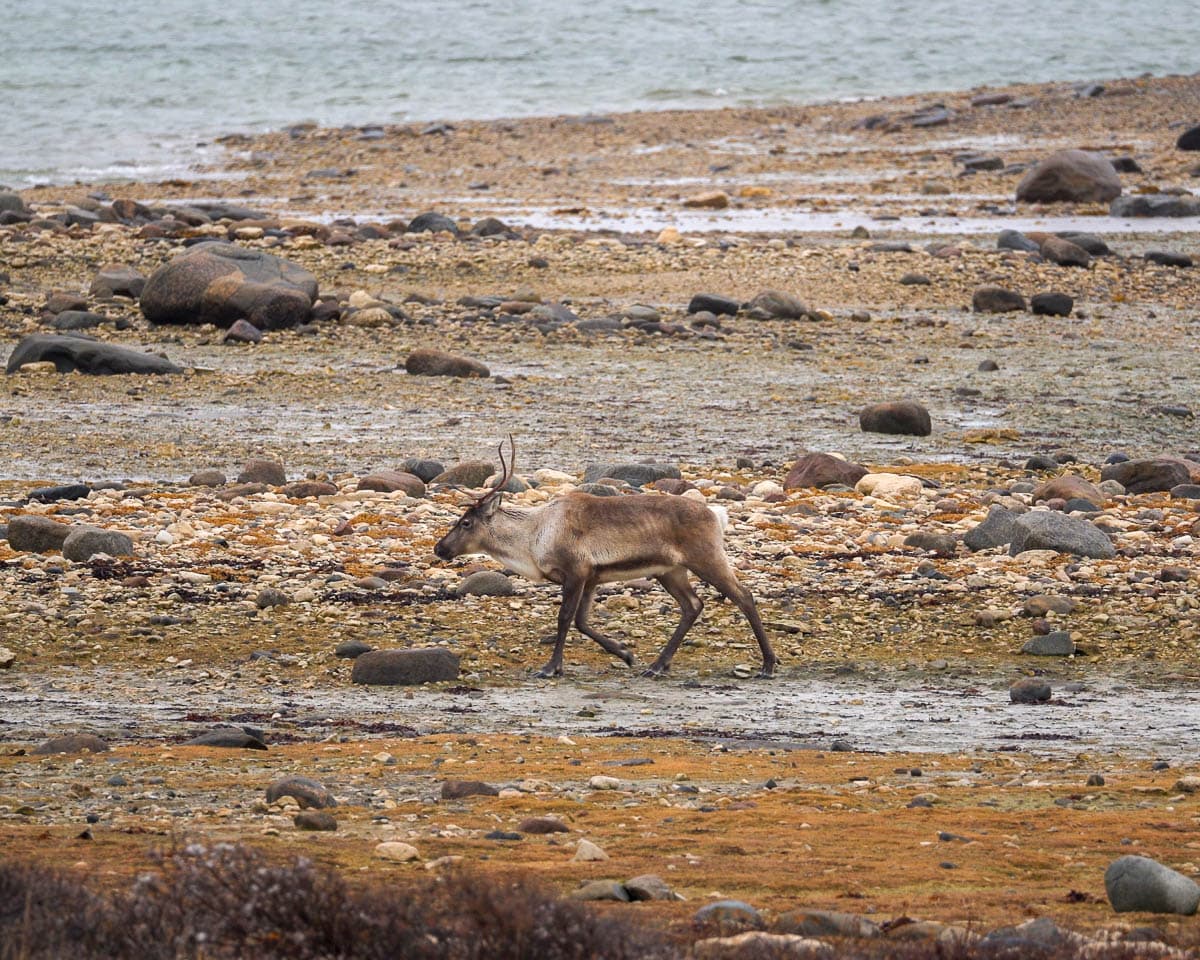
<point x="901" y="417"/>
<point x="220" y="283"/>
<point x="437" y="363"/>
<point x="1070" y="176"/>
<point x="405" y="667"/>
<point x="117" y="278"/>
<point x="70" y="352"/>
<point x="777" y="305"/>
<point x="1144" y="885"/>
<point x="635" y="474"/>
<point x="996" y="530"/>
<point x="83" y="543"/>
<point x="1047" y="530"/>
<point x="993" y="299"/>
<point x="1189" y="139"/>
<point x="37" y="534"/>
<point x="1147" y="476"/>
<point x="1070" y="486"/>
<point x="821" y="470"/>
<point x="1155" y="205"/>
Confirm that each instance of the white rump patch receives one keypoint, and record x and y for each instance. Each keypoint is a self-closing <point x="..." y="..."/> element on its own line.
<point x="721" y="514"/>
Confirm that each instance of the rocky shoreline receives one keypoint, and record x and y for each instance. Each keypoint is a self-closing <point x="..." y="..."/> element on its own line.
<point x="1011" y="521"/>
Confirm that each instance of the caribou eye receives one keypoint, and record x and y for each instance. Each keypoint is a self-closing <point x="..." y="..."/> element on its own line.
<point x="465" y="523"/>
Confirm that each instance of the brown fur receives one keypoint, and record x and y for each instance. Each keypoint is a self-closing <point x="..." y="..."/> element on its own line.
<point x="579" y="540"/>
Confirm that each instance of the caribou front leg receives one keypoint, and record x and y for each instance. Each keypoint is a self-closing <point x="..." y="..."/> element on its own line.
<point x="572" y="596"/>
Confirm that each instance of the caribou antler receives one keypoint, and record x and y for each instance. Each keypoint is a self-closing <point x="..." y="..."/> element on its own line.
<point x="506" y="472"/>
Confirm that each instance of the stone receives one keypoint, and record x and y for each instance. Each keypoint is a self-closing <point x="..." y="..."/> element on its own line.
<point x="471" y="474"/>
<point x="392" y="481"/>
<point x="599" y="489"/>
<point x="635" y="474"/>
<point x="315" y="820"/>
<point x="1067" y="487"/>
<point x="351" y="649"/>
<point x="61" y="301"/>
<point x="1064" y="252"/>
<point x="396" y="851"/>
<point x="709" y="200"/>
<point x="1015" y="240"/>
<point x="219" y="283"/>
<point x="1046" y="530"/>
<point x="308" y="489"/>
<point x="117" y="279"/>
<point x="83" y="543"/>
<point x="11" y="202"/>
<point x="889" y="485"/>
<point x="1147" y="476"/>
<point x="1040" y="936"/>
<point x="939" y="544"/>
<point x="263" y="470"/>
<point x="827" y="923"/>
<point x="1072" y="176"/>
<point x="1086" y="241"/>
<point x="242" y="331"/>
<point x="458" y="789"/>
<point x="1186" y="491"/>
<point x="601" y="890"/>
<point x="728" y="916"/>
<point x="1052" y="304"/>
<point x="308" y="793"/>
<point x="901" y="417"/>
<point x="71" y="352"/>
<point x="485" y="583"/>
<point x="713" y="303"/>
<point x="1169" y="258"/>
<point x="1144" y="885"/>
<point x="1188" y="140"/>
<point x="1030" y="690"/>
<point x="423" y="469"/>
<point x="77" y="320"/>
<point x="777" y="305"/>
<point x="7" y="658"/>
<point x="207" y="478"/>
<point x="1044" y="604"/>
<point x="229" y="738"/>
<point x="436" y="363"/>
<point x="1155" y="205"/>
<point x="757" y="943"/>
<point x="432" y="223"/>
<point x="588" y="852"/>
<point x="993" y="299"/>
<point x="405" y="667"/>
<point x="542" y="825"/>
<point x="71" y="743"/>
<point x="1057" y="643"/>
<point x="823" y="469"/>
<point x="271" y="597"/>
<point x="62" y="491"/>
<point x="490" y="227"/>
<point x="649" y="886"/>
<point x="997" y="530"/>
<point x="35" y="534"/>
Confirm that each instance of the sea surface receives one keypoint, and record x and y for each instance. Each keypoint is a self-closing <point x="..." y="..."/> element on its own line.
<point x="121" y="89"/>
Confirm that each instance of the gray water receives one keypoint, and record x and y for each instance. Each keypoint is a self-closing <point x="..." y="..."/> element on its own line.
<point x="125" y="89"/>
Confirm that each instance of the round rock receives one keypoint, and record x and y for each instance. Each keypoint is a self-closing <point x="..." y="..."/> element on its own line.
<point x="1142" y="884"/>
<point x="902" y="417"/>
<point x="1030" y="690"/>
<point x="486" y="583"/>
<point x="308" y="793"/>
<point x="405" y="667"/>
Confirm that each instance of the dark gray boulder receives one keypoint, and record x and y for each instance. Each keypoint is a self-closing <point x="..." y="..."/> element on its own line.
<point x="714" y="303"/>
<point x="61" y="491"/>
<point x="1052" y="304"/>
<point x="405" y="667"/>
<point x="308" y="793"/>
<point x="117" y="279"/>
<point x="77" y="320"/>
<point x="1142" y="884"/>
<point x="635" y="474"/>
<point x="1155" y="205"/>
<point x="227" y="738"/>
<point x="1050" y="530"/>
<point x="827" y="923"/>
<point x="83" y="543"/>
<point x="77" y="352"/>
<point x="1030" y="690"/>
<point x="1147" y="476"/>
<point x="996" y="530"/>
<point x="992" y="299"/>
<point x="1057" y="643"/>
<point x="469" y="473"/>
<point x="263" y="470"/>
<point x="34" y="534"/>
<point x="486" y="583"/>
<point x="431" y="223"/>
<point x="1015" y="240"/>
<point x="424" y="470"/>
<point x="437" y="363"/>
<point x="904" y="417"/>
<point x="219" y="283"/>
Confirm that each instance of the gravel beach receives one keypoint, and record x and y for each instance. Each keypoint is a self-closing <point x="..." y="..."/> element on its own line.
<point x="720" y="293"/>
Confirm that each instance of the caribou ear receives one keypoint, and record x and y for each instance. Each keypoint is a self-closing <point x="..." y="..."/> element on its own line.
<point x="492" y="504"/>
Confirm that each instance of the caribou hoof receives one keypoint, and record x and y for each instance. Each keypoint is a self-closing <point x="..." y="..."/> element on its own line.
<point x="625" y="656"/>
<point x="766" y="673"/>
<point x="655" y="672"/>
<point x="548" y="672"/>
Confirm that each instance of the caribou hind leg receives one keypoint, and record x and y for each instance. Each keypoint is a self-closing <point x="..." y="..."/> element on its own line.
<point x="675" y="582"/>
<point x="725" y="580"/>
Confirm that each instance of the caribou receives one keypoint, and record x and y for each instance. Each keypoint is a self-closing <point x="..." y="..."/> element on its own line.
<point x="579" y="541"/>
